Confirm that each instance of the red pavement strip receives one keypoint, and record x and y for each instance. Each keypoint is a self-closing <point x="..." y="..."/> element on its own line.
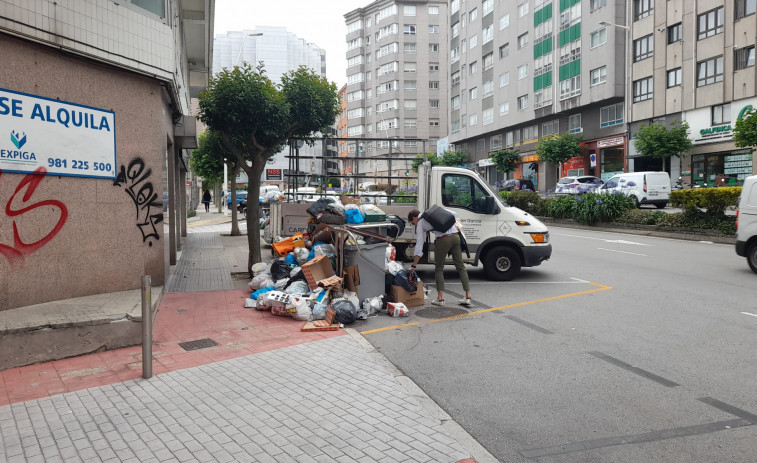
<point x="218" y="315"/>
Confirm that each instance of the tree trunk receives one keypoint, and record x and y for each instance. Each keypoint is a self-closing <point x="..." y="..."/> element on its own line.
<point x="234" y="222"/>
<point x="217" y="197"/>
<point x="253" y="210"/>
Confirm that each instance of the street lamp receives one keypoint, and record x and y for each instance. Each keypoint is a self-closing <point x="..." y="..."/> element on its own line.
<point x="239" y="55"/>
<point x="628" y="103"/>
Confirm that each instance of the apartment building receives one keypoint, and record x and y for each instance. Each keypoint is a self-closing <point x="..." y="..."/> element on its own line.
<point x="397" y="80"/>
<point x="523" y="70"/>
<point x="695" y="62"/>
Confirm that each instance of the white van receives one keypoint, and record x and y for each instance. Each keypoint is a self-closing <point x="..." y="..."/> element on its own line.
<point x="746" y="222"/>
<point x="643" y="187"/>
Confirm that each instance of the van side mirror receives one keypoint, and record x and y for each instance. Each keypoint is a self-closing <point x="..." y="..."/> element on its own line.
<point x="489" y="205"/>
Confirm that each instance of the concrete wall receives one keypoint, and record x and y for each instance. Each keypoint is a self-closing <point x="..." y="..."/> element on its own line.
<point x="88" y="230"/>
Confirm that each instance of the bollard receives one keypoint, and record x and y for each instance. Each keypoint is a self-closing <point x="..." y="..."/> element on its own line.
<point x="146" y="327"/>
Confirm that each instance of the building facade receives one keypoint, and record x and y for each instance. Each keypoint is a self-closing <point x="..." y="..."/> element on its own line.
<point x="523" y="70"/>
<point x="695" y="62"/>
<point x="97" y="127"/>
<point x="397" y="81"/>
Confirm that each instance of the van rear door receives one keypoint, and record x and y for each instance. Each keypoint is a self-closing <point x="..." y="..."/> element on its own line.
<point x="658" y="185"/>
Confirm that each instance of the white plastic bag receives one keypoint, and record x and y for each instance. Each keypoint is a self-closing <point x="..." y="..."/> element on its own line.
<point x="258" y="280"/>
<point x="352" y="297"/>
<point x="391" y="252"/>
<point x="369" y="208"/>
<point x="392" y="266"/>
<point x="279" y="285"/>
<point x="302" y="308"/>
<point x="260" y="267"/>
<point x="301" y="254"/>
<point x="371" y="306"/>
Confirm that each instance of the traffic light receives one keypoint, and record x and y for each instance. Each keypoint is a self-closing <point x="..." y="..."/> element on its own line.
<point x="407" y="173"/>
<point x="361" y="147"/>
<point x="319" y="179"/>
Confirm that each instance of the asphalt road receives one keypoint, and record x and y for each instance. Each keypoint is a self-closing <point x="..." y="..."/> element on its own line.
<point x="620" y="348"/>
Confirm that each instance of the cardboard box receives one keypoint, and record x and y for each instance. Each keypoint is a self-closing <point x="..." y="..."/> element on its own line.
<point x="400" y="294"/>
<point x="317" y="269"/>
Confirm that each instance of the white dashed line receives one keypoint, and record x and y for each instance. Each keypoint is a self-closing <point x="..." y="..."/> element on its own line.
<point x="623" y="252"/>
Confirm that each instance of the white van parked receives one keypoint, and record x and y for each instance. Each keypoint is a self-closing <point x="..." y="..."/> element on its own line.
<point x="746" y="222"/>
<point x="643" y="187"/>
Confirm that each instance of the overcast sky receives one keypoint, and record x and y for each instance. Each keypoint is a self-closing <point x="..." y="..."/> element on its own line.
<point x="318" y="22"/>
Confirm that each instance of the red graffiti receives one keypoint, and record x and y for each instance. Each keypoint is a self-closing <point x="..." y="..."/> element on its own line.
<point x="16" y="253"/>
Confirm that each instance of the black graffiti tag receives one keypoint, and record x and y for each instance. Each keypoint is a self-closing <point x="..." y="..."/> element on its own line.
<point x="141" y="191"/>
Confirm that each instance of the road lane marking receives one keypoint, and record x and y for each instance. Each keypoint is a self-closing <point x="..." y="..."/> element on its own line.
<point x="747" y="313"/>
<point x="636" y="370"/>
<point x="604" y="239"/>
<point x="600" y="287"/>
<point x="623" y="252"/>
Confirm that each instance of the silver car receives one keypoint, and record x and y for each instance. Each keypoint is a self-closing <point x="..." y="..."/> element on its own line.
<point x="577" y="184"/>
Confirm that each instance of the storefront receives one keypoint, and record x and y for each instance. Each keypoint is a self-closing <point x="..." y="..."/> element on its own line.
<point x="715" y="160"/>
<point x="574" y="166"/>
<point x="608" y="154"/>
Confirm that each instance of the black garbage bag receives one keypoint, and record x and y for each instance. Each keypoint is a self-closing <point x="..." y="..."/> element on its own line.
<point x="279" y="270"/>
<point x="346" y="312"/>
<point x="319" y="207"/>
<point x="397" y="220"/>
<point x="407" y="279"/>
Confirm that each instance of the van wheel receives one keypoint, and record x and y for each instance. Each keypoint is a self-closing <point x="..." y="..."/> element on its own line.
<point x="661" y="206"/>
<point x="502" y="263"/>
<point x="751" y="256"/>
<point x="635" y="201"/>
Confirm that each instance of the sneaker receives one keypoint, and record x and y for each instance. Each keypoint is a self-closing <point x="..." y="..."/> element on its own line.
<point x="464" y="301"/>
<point x="438" y="302"/>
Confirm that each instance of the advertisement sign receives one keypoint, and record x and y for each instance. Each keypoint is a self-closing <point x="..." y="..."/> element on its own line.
<point x="615" y="141"/>
<point x="702" y="130"/>
<point x="64" y="138"/>
<point x="273" y="174"/>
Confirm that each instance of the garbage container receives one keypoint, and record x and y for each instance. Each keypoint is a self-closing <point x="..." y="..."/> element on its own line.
<point x="370" y="265"/>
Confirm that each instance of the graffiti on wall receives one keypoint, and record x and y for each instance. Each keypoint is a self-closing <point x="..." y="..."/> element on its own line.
<point x="22" y="197"/>
<point x="135" y="179"/>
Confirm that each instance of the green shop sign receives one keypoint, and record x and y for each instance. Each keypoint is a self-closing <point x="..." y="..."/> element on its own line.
<point x="718" y="129"/>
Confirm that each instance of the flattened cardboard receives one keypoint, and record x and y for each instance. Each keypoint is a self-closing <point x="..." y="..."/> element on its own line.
<point x="316" y="269"/>
<point x="352" y="278"/>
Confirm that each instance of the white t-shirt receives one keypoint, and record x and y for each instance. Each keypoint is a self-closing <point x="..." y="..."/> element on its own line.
<point x="423" y="227"/>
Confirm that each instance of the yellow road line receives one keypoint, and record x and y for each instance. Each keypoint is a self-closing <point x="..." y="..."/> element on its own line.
<point x="493" y="309"/>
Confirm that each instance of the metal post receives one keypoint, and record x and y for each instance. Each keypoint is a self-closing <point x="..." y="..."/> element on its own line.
<point x="146" y="327"/>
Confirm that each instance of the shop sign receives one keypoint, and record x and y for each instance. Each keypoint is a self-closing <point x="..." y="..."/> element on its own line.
<point x="273" y="174"/>
<point x="530" y="158"/>
<point x="63" y="138"/>
<point x="486" y="162"/>
<point x="610" y="142"/>
<point x="700" y="122"/>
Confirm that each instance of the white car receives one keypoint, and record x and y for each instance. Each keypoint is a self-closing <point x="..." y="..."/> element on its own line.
<point x="746" y="226"/>
<point x="577" y="184"/>
<point x="642" y="187"/>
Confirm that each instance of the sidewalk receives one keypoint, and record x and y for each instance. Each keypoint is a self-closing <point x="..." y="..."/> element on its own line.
<point x="265" y="391"/>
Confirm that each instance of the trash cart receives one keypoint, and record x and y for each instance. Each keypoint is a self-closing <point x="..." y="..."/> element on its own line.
<point x="370" y="261"/>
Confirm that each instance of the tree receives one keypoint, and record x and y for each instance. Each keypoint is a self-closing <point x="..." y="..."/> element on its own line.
<point x="256" y="118"/>
<point x="207" y="160"/>
<point x="659" y="141"/>
<point x="506" y="160"/>
<point x="745" y="130"/>
<point x="559" y="148"/>
<point x="448" y="158"/>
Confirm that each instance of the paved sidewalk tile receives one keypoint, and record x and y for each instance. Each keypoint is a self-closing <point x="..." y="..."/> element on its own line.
<point x="266" y="394"/>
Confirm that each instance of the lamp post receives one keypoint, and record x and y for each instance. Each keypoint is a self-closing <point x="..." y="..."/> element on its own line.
<point x="628" y="103"/>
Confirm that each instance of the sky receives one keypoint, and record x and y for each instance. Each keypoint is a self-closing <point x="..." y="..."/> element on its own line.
<point x="318" y="22"/>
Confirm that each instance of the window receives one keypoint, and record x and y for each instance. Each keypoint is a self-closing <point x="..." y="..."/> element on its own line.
<point x="710" y="23"/>
<point x="743" y="58"/>
<point x="488" y="34"/>
<point x="433" y="48"/>
<point x="433" y="85"/>
<point x="387" y="124"/>
<point x="570" y="87"/>
<point x="409" y="48"/>
<point x="355" y="96"/>
<point x="386" y="12"/>
<point x="488" y="116"/>
<point x="745" y="8"/>
<point x="473" y="93"/>
<point x="598" y="76"/>
<point x="522" y="40"/>
<point x="710" y="71"/>
<point x="643" y="48"/>
<point x="495" y="142"/>
<point x="570" y="52"/>
<point x="433" y="29"/>
<point x="387" y="49"/>
<point x="409" y="29"/>
<point x="433" y="122"/>
<point x="523" y="102"/>
<point x="386" y="31"/>
<point x="642" y="8"/>
<point x="488" y="61"/>
<point x="642" y="89"/>
<point x="674" y="77"/>
<point x="721" y="114"/>
<point x="433" y="67"/>
<point x="390" y="105"/>
<point x="387" y="87"/>
<point x="504" y="79"/>
<point x="355" y="130"/>
<point x="409" y="67"/>
<point x="355" y="78"/>
<point x="599" y="37"/>
<point x="433" y="104"/>
<point x="504" y="108"/>
<point x="455" y="78"/>
<point x="355" y="113"/>
<point x="504" y="21"/>
<point x="473" y="41"/>
<point x="354" y="61"/>
<point x="455" y="102"/>
<point x="473" y="120"/>
<point x="410" y="123"/>
<point x="454" y="6"/>
<point x="473" y="15"/>
<point x="543" y="97"/>
<point x="488" y="88"/>
<point x="487" y="6"/>
<point x="455" y="29"/>
<point x="522" y="9"/>
<point x="522" y="71"/>
<point x="574" y="123"/>
<point x="411" y="105"/>
<point x="354" y="43"/>
<point x="463" y="191"/>
<point x="509" y="140"/>
<point x="408" y="10"/>
<point x="611" y="115"/>
<point x="389" y="68"/>
<point x="596" y="4"/>
<point x="530" y="133"/>
<point x="675" y="33"/>
<point x="354" y="26"/>
<point x="504" y="51"/>
<point x="472" y="67"/>
<point x="454" y="55"/>
<point x="410" y="85"/>
<point x="433" y="10"/>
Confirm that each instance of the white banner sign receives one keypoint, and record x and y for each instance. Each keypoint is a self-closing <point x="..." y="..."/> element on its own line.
<point x="63" y="138"/>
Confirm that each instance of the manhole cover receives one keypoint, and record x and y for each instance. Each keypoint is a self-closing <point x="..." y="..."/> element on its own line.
<point x="199" y="344"/>
<point x="440" y="312"/>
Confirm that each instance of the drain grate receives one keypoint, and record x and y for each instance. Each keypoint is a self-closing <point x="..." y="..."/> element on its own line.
<point x="440" y="312"/>
<point x="198" y="344"/>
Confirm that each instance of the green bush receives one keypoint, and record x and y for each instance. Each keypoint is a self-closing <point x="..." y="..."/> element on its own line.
<point x="713" y="200"/>
<point x="641" y="217"/>
<point x="528" y="201"/>
<point x="404" y="198"/>
<point x="191" y="214"/>
<point x="563" y="207"/>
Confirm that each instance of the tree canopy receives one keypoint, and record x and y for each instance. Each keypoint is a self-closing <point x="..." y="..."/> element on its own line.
<point x="506" y="160"/>
<point x="658" y="141"/>
<point x="745" y="130"/>
<point x="559" y="148"/>
<point x="207" y="160"/>
<point x="448" y="158"/>
<point x="256" y="118"/>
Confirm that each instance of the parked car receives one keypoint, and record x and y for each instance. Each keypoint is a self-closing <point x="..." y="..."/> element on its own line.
<point x="241" y="196"/>
<point x="515" y="184"/>
<point x="642" y="187"/>
<point x="746" y="222"/>
<point x="576" y="184"/>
